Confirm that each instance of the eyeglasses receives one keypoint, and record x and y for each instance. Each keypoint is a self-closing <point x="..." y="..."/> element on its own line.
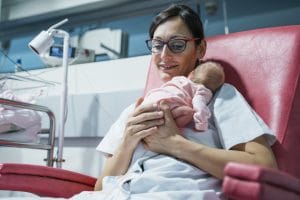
<point x="177" y="45"/>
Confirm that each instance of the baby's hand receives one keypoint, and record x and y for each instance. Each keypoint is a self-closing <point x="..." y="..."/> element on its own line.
<point x="182" y="115"/>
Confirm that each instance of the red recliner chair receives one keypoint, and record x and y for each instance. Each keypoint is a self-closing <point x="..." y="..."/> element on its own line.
<point x="264" y="64"/>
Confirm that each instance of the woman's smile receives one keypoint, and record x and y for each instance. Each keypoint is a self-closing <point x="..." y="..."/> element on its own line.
<point x="167" y="67"/>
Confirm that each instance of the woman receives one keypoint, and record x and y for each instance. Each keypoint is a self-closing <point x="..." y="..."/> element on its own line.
<point x="147" y="154"/>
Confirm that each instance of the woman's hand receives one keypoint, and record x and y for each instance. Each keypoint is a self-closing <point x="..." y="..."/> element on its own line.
<point x="143" y="122"/>
<point x="161" y="141"/>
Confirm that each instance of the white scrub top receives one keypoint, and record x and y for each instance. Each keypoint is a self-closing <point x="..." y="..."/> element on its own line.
<point x="232" y="122"/>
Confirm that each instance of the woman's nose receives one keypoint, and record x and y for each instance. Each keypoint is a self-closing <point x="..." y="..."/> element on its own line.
<point x="165" y="52"/>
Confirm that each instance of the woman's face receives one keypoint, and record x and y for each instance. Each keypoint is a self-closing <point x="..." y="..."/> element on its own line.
<point x="168" y="63"/>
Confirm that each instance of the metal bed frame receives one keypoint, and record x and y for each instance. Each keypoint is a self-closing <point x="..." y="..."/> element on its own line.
<point x="49" y="146"/>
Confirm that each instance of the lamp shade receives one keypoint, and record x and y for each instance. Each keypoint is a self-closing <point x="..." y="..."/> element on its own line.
<point x="42" y="42"/>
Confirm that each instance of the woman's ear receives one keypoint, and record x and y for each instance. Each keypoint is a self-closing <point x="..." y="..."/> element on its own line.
<point x="201" y="49"/>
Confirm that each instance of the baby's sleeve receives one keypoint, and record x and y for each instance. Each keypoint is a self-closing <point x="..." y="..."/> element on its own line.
<point x="202" y="113"/>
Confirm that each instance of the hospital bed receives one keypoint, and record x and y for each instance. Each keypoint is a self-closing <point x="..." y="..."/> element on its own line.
<point x="47" y="134"/>
<point x="264" y="64"/>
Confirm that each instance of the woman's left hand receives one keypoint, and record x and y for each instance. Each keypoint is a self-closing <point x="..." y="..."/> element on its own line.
<point x="163" y="140"/>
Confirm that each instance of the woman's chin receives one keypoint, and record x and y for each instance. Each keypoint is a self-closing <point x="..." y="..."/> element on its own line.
<point x="165" y="77"/>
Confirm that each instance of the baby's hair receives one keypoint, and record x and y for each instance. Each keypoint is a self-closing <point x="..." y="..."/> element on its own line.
<point x="209" y="73"/>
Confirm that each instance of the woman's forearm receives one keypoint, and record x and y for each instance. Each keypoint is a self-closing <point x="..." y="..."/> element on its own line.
<point x="115" y="165"/>
<point x="213" y="160"/>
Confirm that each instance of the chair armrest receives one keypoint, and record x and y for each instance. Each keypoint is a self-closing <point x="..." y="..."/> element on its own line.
<point x="244" y="181"/>
<point x="43" y="181"/>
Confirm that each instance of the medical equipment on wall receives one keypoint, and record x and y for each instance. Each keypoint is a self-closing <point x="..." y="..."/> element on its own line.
<point x="40" y="44"/>
<point x="112" y="43"/>
<point x="212" y="8"/>
<point x="93" y="45"/>
<point x="53" y="56"/>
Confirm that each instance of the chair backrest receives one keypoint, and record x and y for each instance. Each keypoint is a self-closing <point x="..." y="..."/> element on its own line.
<point x="264" y="64"/>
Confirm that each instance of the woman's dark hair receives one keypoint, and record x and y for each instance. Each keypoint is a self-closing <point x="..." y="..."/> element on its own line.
<point x="188" y="15"/>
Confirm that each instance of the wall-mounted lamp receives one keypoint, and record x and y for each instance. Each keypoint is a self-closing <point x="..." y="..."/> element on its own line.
<point x="40" y="44"/>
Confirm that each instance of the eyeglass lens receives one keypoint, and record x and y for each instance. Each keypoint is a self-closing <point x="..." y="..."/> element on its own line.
<point x="175" y="45"/>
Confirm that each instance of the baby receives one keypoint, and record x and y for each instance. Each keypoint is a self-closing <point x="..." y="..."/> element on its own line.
<point x="188" y="97"/>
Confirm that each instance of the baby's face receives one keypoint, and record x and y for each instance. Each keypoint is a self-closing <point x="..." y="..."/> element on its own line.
<point x="196" y="76"/>
<point x="191" y="75"/>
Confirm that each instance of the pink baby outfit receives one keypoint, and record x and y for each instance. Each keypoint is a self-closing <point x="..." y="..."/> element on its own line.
<point x="186" y="99"/>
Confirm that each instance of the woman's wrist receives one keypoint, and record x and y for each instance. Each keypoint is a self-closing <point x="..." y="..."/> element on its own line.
<point x="176" y="143"/>
<point x="120" y="160"/>
<point x="126" y="148"/>
<point x="183" y="148"/>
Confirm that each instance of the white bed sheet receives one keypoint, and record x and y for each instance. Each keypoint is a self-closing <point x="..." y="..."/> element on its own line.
<point x="20" y="125"/>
